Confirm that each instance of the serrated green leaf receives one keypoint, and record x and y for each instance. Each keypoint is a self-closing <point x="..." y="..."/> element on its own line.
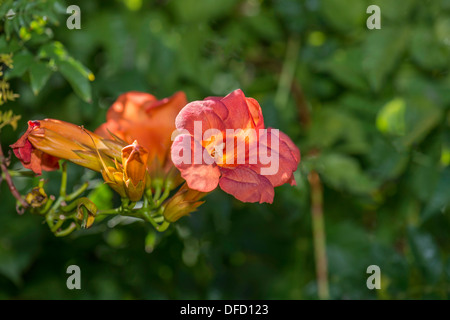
<point x="21" y="63"/>
<point x="39" y="75"/>
<point x="53" y="50"/>
<point x="77" y="76"/>
<point x="75" y="73"/>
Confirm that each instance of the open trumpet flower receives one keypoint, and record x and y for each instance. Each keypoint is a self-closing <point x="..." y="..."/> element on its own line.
<point x="223" y="142"/>
<point x="139" y="116"/>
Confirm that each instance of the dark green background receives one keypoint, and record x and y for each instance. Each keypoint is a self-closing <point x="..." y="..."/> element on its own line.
<point x="369" y="110"/>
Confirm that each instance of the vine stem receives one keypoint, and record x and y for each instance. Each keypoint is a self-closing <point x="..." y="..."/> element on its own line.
<point x="318" y="228"/>
<point x="10" y="183"/>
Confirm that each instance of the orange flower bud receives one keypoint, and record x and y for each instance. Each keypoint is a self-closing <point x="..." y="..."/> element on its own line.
<point x="134" y="160"/>
<point x="48" y="140"/>
<point x="185" y="201"/>
<point x="113" y="176"/>
<point x="82" y="137"/>
<point x="129" y="178"/>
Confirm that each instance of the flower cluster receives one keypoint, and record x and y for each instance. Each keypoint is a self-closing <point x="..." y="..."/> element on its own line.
<point x="166" y="153"/>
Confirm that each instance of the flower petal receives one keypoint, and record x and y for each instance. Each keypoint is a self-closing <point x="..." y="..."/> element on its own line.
<point x="208" y="112"/>
<point x="201" y="177"/>
<point x="287" y="156"/>
<point x="255" y="111"/>
<point x="30" y="157"/>
<point x="246" y="185"/>
<point x="140" y="116"/>
<point x="238" y="111"/>
<point x="129" y="106"/>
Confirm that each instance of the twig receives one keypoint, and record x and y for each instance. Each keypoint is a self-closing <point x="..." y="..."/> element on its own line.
<point x="12" y="188"/>
<point x="319" y="235"/>
<point x="302" y="104"/>
<point x="287" y="73"/>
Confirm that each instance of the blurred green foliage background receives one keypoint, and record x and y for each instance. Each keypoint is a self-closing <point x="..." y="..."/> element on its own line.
<point x="369" y="110"/>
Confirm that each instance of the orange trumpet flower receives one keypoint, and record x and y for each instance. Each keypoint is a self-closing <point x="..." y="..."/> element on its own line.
<point x="141" y="116"/>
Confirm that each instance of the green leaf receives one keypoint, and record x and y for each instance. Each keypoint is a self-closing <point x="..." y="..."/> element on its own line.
<point x="344" y="173"/>
<point x="382" y="50"/>
<point x="21" y="63"/>
<point x="75" y="73"/>
<point x="391" y="118"/>
<point x="426" y="253"/>
<point x="395" y="12"/>
<point x="39" y="75"/>
<point x="102" y="197"/>
<point x="333" y="127"/>
<point x="192" y="10"/>
<point x="426" y="49"/>
<point x="421" y="117"/>
<point x="440" y="200"/>
<point x="19" y="245"/>
<point x="53" y="50"/>
<point x="388" y="162"/>
<point x="8" y="29"/>
<point x="344" y="17"/>
<point x="77" y="76"/>
<point x="345" y="68"/>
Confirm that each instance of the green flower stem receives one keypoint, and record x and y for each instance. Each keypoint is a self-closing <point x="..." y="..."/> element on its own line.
<point x="70" y="207"/>
<point x="47" y="206"/>
<point x="109" y="211"/>
<point x="56" y="205"/>
<point x="62" y="190"/>
<point x="163" y="227"/>
<point x="49" y="220"/>
<point x="14" y="173"/>
<point x="149" y="218"/>
<point x="164" y="196"/>
<point x="77" y="192"/>
<point x="157" y="194"/>
<point x="57" y="225"/>
<point x="120" y="211"/>
<point x="127" y="204"/>
<point x="145" y="204"/>
<point x="66" y="231"/>
<point x="148" y="193"/>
